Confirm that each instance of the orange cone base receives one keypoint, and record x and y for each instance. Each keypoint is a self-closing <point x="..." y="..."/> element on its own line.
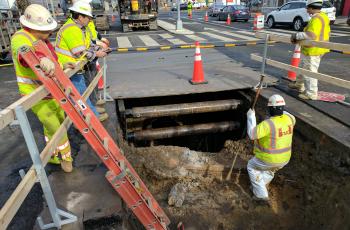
<point x="198" y="82"/>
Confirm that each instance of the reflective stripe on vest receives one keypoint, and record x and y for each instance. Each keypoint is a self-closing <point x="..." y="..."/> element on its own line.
<point x="273" y="137"/>
<point x="273" y="142"/>
<point x="27" y="81"/>
<point x="323" y="35"/>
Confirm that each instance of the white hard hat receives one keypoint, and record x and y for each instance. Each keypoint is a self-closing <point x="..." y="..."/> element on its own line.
<point x="82" y="7"/>
<point x="276" y="100"/>
<point x="314" y="2"/>
<point x="37" y="17"/>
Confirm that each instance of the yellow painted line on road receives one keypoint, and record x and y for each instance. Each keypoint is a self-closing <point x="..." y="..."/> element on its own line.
<point x="344" y="52"/>
<point x="141" y="49"/>
<point x="165" y="47"/>
<point x="251" y="43"/>
<point x="123" y="49"/>
<point x="186" y="47"/>
<point x="230" y="45"/>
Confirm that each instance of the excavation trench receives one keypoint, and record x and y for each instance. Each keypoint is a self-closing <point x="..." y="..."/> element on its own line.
<point x="307" y="193"/>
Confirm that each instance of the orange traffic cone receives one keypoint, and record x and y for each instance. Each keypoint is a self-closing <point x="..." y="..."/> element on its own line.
<point x="190" y="16"/>
<point x="206" y="16"/>
<point x="294" y="62"/>
<point x="100" y="83"/>
<point x="228" y="21"/>
<point x="198" y="73"/>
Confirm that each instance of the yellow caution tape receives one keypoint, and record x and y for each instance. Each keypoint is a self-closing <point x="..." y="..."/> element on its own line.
<point x="3" y="65"/>
<point x="185" y="47"/>
<point x="207" y="46"/>
<point x="251" y="43"/>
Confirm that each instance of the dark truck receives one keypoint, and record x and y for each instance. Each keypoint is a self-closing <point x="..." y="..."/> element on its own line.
<point x="138" y="14"/>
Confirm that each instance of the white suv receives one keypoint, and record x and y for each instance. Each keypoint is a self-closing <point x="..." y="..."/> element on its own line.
<point x="294" y="13"/>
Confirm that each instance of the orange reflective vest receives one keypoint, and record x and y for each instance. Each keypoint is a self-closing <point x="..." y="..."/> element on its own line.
<point x="273" y="139"/>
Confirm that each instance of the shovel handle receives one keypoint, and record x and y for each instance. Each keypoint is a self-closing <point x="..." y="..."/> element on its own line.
<point x="258" y="91"/>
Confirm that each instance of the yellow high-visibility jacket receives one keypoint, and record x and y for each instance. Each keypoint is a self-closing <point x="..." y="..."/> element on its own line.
<point x="92" y="30"/>
<point x="26" y="79"/>
<point x="71" y="41"/>
<point x="317" y="29"/>
<point x="273" y="139"/>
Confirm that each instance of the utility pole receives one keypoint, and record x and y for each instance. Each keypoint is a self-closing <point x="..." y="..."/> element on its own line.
<point x="178" y="22"/>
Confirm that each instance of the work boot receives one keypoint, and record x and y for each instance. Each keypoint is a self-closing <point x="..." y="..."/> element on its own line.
<point x="55" y="160"/>
<point x="307" y="97"/>
<point x="100" y="102"/>
<point x="100" y="110"/>
<point x="67" y="166"/>
<point x="300" y="88"/>
<point x="103" y="117"/>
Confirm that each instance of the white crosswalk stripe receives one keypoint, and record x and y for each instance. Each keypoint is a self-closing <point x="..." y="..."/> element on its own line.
<point x="222" y="38"/>
<point x="148" y="41"/>
<point x="233" y="34"/>
<point x="176" y="41"/>
<point x="123" y="42"/>
<point x="166" y="36"/>
<point x="195" y="38"/>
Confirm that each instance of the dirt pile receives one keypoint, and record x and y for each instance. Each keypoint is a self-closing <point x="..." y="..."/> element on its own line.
<point x="209" y="201"/>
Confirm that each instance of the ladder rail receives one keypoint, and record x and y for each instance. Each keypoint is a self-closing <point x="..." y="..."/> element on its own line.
<point x="122" y="176"/>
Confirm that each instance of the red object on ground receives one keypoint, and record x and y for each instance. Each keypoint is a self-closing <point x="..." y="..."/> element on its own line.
<point x="121" y="175"/>
<point x="113" y="18"/>
<point x="330" y="97"/>
<point x="100" y="83"/>
<point x="190" y="16"/>
<point x="294" y="62"/>
<point x="206" y="19"/>
<point x="198" y="73"/>
<point x="228" y="21"/>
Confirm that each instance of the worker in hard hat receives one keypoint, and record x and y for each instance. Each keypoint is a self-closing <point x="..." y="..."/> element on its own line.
<point x="103" y="43"/>
<point x="38" y="24"/>
<point x="317" y="29"/>
<point x="189" y="8"/>
<point x="73" y="44"/>
<point x="272" y="145"/>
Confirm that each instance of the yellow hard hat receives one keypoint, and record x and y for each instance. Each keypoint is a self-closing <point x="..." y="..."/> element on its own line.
<point x="37" y="17"/>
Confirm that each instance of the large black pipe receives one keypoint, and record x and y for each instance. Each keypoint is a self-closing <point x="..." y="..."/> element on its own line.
<point x="185" y="130"/>
<point x="184" y="108"/>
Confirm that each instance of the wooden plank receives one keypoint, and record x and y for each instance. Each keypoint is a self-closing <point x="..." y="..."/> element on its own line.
<point x="7" y="115"/>
<point x="10" y="208"/>
<point x="286" y="39"/>
<point x="322" y="77"/>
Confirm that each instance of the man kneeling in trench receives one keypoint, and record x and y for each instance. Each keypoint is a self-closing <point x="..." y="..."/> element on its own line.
<point x="272" y="145"/>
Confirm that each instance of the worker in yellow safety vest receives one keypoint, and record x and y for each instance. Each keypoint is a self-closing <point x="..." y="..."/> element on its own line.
<point x="73" y="44"/>
<point x="38" y="24"/>
<point x="317" y="29"/>
<point x="189" y="8"/>
<point x="272" y="145"/>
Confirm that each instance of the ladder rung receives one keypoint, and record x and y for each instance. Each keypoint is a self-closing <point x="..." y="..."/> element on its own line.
<point x="68" y="91"/>
<point x="105" y="142"/>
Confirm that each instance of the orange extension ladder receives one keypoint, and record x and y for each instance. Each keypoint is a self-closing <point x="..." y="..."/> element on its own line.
<point x="121" y="174"/>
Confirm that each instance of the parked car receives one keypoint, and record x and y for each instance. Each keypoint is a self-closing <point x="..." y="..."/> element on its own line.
<point x="183" y="6"/>
<point x="214" y="9"/>
<point x="237" y="12"/>
<point x="295" y="14"/>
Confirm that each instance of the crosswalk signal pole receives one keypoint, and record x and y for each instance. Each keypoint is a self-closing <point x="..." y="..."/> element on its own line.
<point x="178" y="22"/>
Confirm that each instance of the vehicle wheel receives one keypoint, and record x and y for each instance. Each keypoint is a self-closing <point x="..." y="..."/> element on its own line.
<point x="219" y="18"/>
<point x="270" y="22"/>
<point x="298" y="24"/>
<point x="246" y="20"/>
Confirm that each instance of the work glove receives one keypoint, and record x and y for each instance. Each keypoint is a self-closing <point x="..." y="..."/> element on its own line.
<point x="69" y="65"/>
<point x="251" y="123"/>
<point x="293" y="38"/>
<point x="47" y="66"/>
